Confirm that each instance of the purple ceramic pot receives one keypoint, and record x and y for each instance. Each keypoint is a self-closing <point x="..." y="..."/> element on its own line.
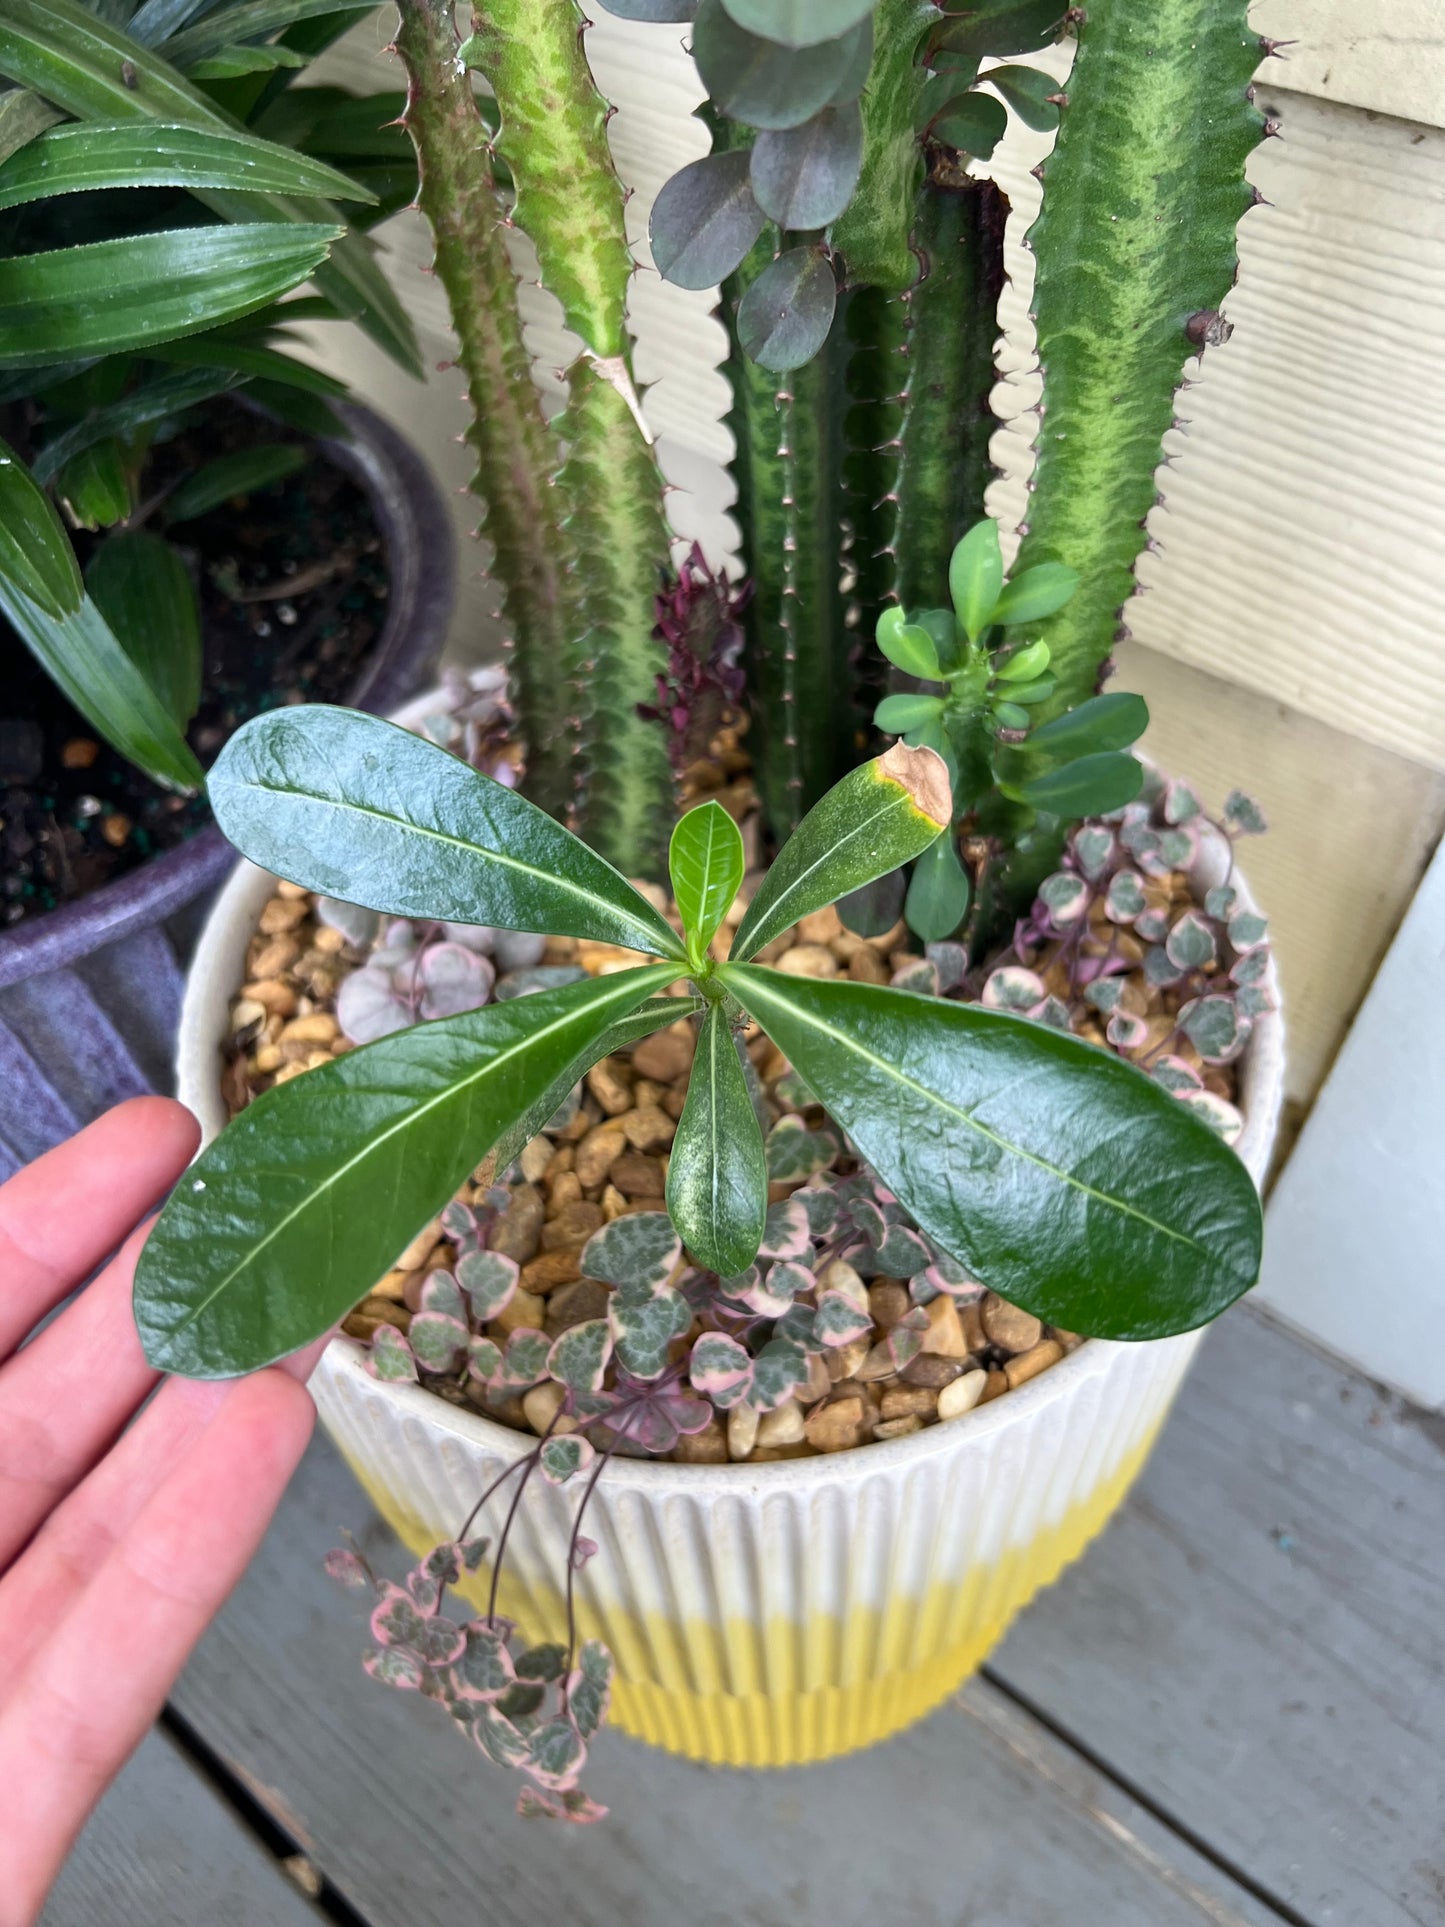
<point x="90" y="994"/>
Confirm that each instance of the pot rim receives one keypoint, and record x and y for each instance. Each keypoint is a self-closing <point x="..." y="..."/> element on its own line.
<point x="420" y="554"/>
<point x="222" y="941"/>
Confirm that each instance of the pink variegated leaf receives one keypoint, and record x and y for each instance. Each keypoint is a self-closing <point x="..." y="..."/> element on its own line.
<point x="1093" y="848"/>
<point x="489" y="1278"/>
<point x="441" y="1567"/>
<point x="483" y="1671"/>
<point x="390" y="1357"/>
<point x="1216" y="1027"/>
<point x="1152" y="926"/>
<point x="1176" y="1075"/>
<point x="562" y="1458"/>
<point x="484" y="1361"/>
<point x="396" y="1622"/>
<point x="1181" y="805"/>
<point x="1014" y="988"/>
<point x="394" y="1666"/>
<point x="920" y="976"/>
<point x="839" y="1321"/>
<point x="1218" y="1113"/>
<point x="1125" y="900"/>
<point x="786" y="1234"/>
<point x="1191" y="944"/>
<point x="1066" y="898"/>
<point x="1125" y="1031"/>
<point x="348" y="1568"/>
<point x="473" y="1552"/>
<point x="449" y="978"/>
<point x="535" y="1803"/>
<point x="583" y="1549"/>
<point x="644" y="1327"/>
<point x="438" y="1342"/>
<point x="1243" y="816"/>
<point x="439" y="1292"/>
<point x="556" y="1755"/>
<point x="495" y="1734"/>
<point x="720" y="1369"/>
<point x="524" y="1362"/>
<point x="639" y="1252"/>
<point x="578" y="1359"/>
<point x="779" y="1370"/>
<point x="589" y="1689"/>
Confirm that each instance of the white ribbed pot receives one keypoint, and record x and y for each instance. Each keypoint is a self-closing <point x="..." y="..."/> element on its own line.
<point x="774" y="1614"/>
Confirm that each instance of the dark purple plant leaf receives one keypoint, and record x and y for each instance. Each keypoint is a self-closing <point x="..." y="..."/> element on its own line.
<point x="784" y="318"/>
<point x="705" y="220"/>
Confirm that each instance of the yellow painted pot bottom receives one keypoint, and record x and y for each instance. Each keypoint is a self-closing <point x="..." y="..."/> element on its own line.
<point x="730" y="1693"/>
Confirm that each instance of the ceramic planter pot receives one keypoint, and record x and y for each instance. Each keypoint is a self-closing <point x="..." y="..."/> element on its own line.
<point x="775" y="1614"/>
<point x="90" y="994"/>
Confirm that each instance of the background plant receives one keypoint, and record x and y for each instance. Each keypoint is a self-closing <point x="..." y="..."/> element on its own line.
<point x="126" y="307"/>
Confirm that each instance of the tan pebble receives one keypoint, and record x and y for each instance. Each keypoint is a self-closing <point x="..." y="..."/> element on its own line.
<point x="272" y="1031"/>
<point x="774" y="1067"/>
<point x="839" y="1275"/>
<point x="560" y="950"/>
<point x="974" y="1335"/>
<point x="281" y="914"/>
<point x="891" y="940"/>
<point x="391" y="1286"/>
<point x="417" y="1252"/>
<point x="598" y="1152"/>
<point x="551" y="1269"/>
<point x="932" y="1371"/>
<point x="274" y="957"/>
<point x="654" y="892"/>
<point x="267" y="1059"/>
<point x="817" y="1384"/>
<point x="518" y="1230"/>
<point x="588" y="1114"/>
<point x="316" y="1058"/>
<point x="245" y="1012"/>
<point x="673" y="1102"/>
<point x="535" y="1158"/>
<point x="574" y="1303"/>
<point x="541" y="1406"/>
<point x="289" y="1071"/>
<point x="116" y="828"/>
<point x="909" y="1401"/>
<point x="865" y="966"/>
<point x="708" y="1447"/>
<point x="384" y="1311"/>
<point x="277" y="996"/>
<point x="783" y="1426"/>
<point x="523" y="1310"/>
<point x="666" y="1055"/>
<point x="79" y="753"/>
<point x="564" y="1189"/>
<point x="648" y="1130"/>
<point x="808" y="960"/>
<point x="604" y="959"/>
<point x="888" y="1301"/>
<point x="770" y="1454"/>
<point x="896" y="1428"/>
<point x="944" y="1336"/>
<point x="293" y="892"/>
<point x="637" y="1175"/>
<point x="820" y="926"/>
<point x="878" y="1364"/>
<point x="297" y="1054"/>
<point x="610" y="1082"/>
<point x="962" y="1395"/>
<point x="844" y="1360"/>
<point x="329" y="941"/>
<point x="1007" y="1326"/>
<point x="903" y="960"/>
<point x="743" y="1427"/>
<point x="838" y="1425"/>
<point x="564" y="1160"/>
<point x="572" y="1226"/>
<point x="1027" y="1365"/>
<point x="995" y="1387"/>
<point x="1070" y="1341"/>
<point x="319" y="1028"/>
<point x="614" y="1205"/>
<point x="411" y="1284"/>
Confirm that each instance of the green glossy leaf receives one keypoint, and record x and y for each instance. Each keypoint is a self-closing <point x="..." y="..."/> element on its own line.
<point x="975" y="578"/>
<point x="908" y="646"/>
<point x="245" y="471"/>
<point x="784" y="318"/>
<point x="231" y="63"/>
<point x="1027" y="90"/>
<point x="973" y="123"/>
<point x="142" y="588"/>
<point x="706" y="863"/>
<point x="95" y="487"/>
<point x="111" y="295"/>
<point x="704" y="220"/>
<point x="360" y="809"/>
<point x="23" y="115"/>
<point x="717" y="1177"/>
<point x="1065" y="1179"/>
<point x="225" y="26"/>
<point x="250" y="362"/>
<point x="1036" y="592"/>
<point x="78" y="158"/>
<point x="88" y="663"/>
<point x="289" y="1217"/>
<point x="35" y="552"/>
<point x="993" y="28"/>
<point x="1024" y="665"/>
<point x="154" y="20"/>
<point x="938" y="891"/>
<point x="660" y="12"/>
<point x="1101" y="723"/>
<point x="804" y="177"/>
<point x="799" y="23"/>
<point x="765" y="84"/>
<point x="1087" y="787"/>
<point x="881" y="815"/>
<point x="898" y="714"/>
<point x="158" y="400"/>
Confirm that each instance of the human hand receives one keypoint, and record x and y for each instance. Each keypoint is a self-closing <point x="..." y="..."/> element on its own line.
<point x="117" y="1546"/>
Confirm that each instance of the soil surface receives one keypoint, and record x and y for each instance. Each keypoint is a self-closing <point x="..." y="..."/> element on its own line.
<point x="292" y="582"/>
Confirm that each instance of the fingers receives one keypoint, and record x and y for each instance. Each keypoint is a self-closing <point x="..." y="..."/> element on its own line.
<point x="62" y="1214"/>
<point x="95" y="1685"/>
<point x="64" y="1399"/>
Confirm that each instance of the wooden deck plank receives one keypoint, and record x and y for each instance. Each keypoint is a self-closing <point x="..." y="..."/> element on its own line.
<point x="977" y="1817"/>
<point x="1257" y="1644"/>
<point x="163" y="1850"/>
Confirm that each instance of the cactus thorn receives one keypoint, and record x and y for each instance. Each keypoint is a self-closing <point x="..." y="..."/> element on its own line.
<point x="1271" y="48"/>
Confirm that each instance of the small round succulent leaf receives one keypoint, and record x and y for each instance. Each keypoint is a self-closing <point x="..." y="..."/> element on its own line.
<point x="498" y="1738"/>
<point x="839" y="1321"/>
<point x="720" y="1369"/>
<point x="1176" y="1075"/>
<point x="1247" y="930"/>
<point x="1025" y="663"/>
<point x="1066" y="896"/>
<point x="1014" y="988"/>
<point x="908" y="646"/>
<point x="369" y="1007"/>
<point x="1252" y="1001"/>
<point x="804" y="177"/>
<point x="1243" y="816"/>
<point x="357" y="924"/>
<point x="921" y="975"/>
<point x="348" y="1569"/>
<point x="793" y="1151"/>
<point x="901" y="1253"/>
<point x="778" y="1370"/>
<point x="439" y="1292"/>
<point x="1093" y="846"/>
<point x="1191" y="945"/>
<point x="1216" y="1028"/>
<point x="524" y="1362"/>
<point x="1251" y="968"/>
<point x="1218" y="1113"/>
<point x="556" y="1755"/>
<point x="478" y="937"/>
<point x="785" y="1233"/>
<point x="449" y="979"/>
<point x="800" y="23"/>
<point x="950" y="960"/>
<point x="1125" y="1031"/>
<point x="1160" y="968"/>
<point x="1220" y="902"/>
<point x="1029" y="91"/>
<point x="1054" y="1012"/>
<point x="1181" y="805"/>
<point x="489" y="1279"/>
<point x="484" y="1360"/>
<point x="635" y="1253"/>
<point x="1104" y="993"/>
<point x="705" y="220"/>
<point x="643" y="1328"/>
<point x="439" y="1342"/>
<point x="390" y="1357"/>
<point x="578" y="1358"/>
<point x="561" y="1459"/>
<point x="820" y="1202"/>
<point x="1152" y="926"/>
<point x="1179" y="848"/>
<point x="394" y="1666"/>
<point x="786" y="313"/>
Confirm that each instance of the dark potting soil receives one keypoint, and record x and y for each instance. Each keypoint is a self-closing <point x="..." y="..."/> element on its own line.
<point x="292" y="583"/>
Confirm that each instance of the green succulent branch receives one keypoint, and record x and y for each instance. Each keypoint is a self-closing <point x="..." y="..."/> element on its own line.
<point x="1135" y="250"/>
<point x="873" y="235"/>
<point x="516" y="451"/>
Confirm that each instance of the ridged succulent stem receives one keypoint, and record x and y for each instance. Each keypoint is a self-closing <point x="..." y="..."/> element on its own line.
<point x="873" y="236"/>
<point x="516" y="450"/>
<point x="1135" y="249"/>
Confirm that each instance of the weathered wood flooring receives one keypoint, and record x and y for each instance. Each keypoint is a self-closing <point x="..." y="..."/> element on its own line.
<point x="1231" y="1713"/>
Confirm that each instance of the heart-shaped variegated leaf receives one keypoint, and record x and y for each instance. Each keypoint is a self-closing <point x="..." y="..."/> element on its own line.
<point x="288" y="1218"/>
<point x="357" y="808"/>
<point x="706" y="862"/>
<point x="1068" y="1181"/>
<point x="717" y="1178"/>
<point x="882" y="814"/>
